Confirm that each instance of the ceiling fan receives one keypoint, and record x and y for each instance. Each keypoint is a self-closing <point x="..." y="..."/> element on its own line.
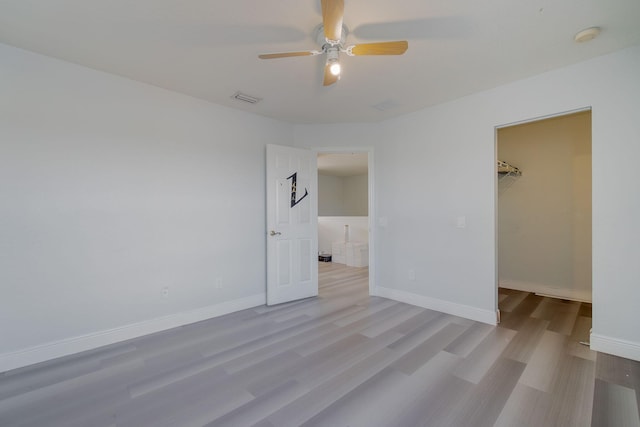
<point x="331" y="36"/>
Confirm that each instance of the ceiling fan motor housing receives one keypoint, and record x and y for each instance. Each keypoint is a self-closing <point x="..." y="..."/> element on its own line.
<point x="332" y="53"/>
<point x="322" y="41"/>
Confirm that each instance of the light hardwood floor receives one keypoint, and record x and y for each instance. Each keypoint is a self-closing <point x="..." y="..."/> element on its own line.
<point x="342" y="359"/>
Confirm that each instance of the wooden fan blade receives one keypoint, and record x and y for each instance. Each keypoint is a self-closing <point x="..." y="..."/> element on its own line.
<point x="288" y="54"/>
<point x="383" y="48"/>
<point x="329" y="78"/>
<point x="332" y="13"/>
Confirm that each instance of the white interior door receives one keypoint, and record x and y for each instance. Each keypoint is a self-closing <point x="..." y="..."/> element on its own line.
<point x="292" y="226"/>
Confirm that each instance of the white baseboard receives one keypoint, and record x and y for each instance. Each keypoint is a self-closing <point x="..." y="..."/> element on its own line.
<point x="466" y="311"/>
<point x="582" y="295"/>
<point x="68" y="346"/>
<point x="615" y="346"/>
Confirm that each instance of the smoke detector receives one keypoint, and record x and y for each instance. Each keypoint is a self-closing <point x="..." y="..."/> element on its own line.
<point x="587" y="34"/>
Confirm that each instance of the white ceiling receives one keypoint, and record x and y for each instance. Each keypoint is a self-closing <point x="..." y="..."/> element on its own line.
<point x="209" y="49"/>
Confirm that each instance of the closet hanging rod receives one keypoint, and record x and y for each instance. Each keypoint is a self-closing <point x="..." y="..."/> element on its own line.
<point x="506" y="168"/>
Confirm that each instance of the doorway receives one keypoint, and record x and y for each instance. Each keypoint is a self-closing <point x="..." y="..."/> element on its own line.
<point x="345" y="205"/>
<point x="543" y="206"/>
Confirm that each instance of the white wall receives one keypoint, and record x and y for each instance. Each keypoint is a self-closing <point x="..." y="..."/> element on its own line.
<point x="544" y="217"/>
<point x="343" y="196"/>
<point x="438" y="164"/>
<point x="111" y="190"/>
<point x="331" y="229"/>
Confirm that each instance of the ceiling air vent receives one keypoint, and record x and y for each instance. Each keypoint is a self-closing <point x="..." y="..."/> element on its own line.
<point x="386" y="105"/>
<point x="246" y="98"/>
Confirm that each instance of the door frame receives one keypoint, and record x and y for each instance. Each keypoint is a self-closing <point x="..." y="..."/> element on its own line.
<point x="495" y="177"/>
<point x="370" y="201"/>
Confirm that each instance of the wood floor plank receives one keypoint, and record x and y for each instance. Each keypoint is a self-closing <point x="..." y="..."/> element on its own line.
<point x="416" y="322"/>
<point x="526" y="407"/>
<point x="262" y="353"/>
<point x="438" y="405"/>
<point x="469" y="340"/>
<point x="67" y="390"/>
<point x="358" y="408"/>
<point x="58" y="370"/>
<point x="319" y="361"/>
<point x="615" y="405"/>
<point x="524" y="343"/>
<point x="68" y="399"/>
<point x="581" y="329"/>
<point x="546" y="309"/>
<point x="583" y="350"/>
<point x="572" y="393"/>
<point x="565" y="317"/>
<point x="528" y="305"/>
<point x="351" y="328"/>
<point x="342" y="361"/>
<point x="620" y="371"/>
<point x="421" y="354"/>
<point x="193" y="401"/>
<point x="384" y="307"/>
<point x="585" y="310"/>
<point x="542" y="366"/>
<point x="485" y="402"/>
<point x="252" y="351"/>
<point x="512" y="301"/>
<point x="421" y="333"/>
<point x="260" y="407"/>
<point x="392" y="322"/>
<point x="480" y="360"/>
<point x="332" y="389"/>
<point x="371" y="403"/>
<point x="513" y="321"/>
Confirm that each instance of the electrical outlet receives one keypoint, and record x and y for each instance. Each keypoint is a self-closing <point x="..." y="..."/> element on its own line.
<point x="165" y="292"/>
<point x="412" y="274"/>
<point x="218" y="283"/>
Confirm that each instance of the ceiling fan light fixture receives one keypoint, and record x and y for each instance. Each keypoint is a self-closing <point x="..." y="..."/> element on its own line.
<point x="333" y="61"/>
<point x="335" y="68"/>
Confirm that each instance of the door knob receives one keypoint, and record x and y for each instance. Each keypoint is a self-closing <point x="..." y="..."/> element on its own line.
<point x="275" y="233"/>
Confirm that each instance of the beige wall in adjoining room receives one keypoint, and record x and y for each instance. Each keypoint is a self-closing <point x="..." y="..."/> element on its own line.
<point x="343" y="195"/>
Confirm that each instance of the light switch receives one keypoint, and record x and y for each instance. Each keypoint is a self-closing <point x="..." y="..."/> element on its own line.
<point x="383" y="221"/>
<point x="461" y="222"/>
